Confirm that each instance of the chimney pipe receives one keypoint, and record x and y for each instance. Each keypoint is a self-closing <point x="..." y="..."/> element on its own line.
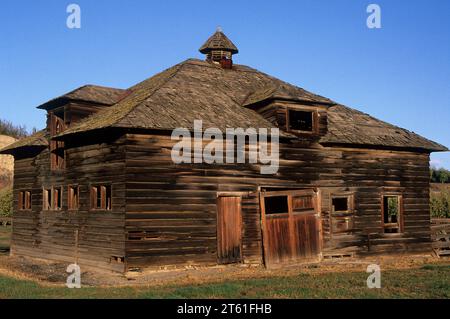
<point x="226" y="63"/>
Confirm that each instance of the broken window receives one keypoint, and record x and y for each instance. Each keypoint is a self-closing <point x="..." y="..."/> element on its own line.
<point x="340" y="204"/>
<point x="47" y="200"/>
<point x="276" y="205"/>
<point x="25" y="200"/>
<point x="342" y="215"/>
<point x="74" y="196"/>
<point x="392" y="214"/>
<point x="101" y="197"/>
<point x="301" y="120"/>
<point x="57" y="193"/>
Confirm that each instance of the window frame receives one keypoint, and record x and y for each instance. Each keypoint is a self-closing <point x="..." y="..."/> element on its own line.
<point x="315" y="120"/>
<point x="70" y="198"/>
<point x="342" y="217"/>
<point x="57" y="162"/>
<point x="55" y="198"/>
<point x="24" y="200"/>
<point x="45" y="200"/>
<point x="288" y="201"/>
<point x="291" y="195"/>
<point x="350" y="203"/>
<point x="400" y="217"/>
<point x="93" y="192"/>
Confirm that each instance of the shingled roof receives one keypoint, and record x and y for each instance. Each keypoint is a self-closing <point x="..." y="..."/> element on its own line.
<point x="194" y="90"/>
<point x="352" y="127"/>
<point x="88" y="93"/>
<point x="37" y="140"/>
<point x="189" y="91"/>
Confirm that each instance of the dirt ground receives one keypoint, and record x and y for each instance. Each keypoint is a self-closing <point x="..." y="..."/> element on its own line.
<point x="55" y="273"/>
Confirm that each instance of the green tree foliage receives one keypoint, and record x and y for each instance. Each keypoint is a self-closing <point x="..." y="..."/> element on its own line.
<point x="440" y="204"/>
<point x="392" y="206"/>
<point x="6" y="200"/>
<point x="440" y="175"/>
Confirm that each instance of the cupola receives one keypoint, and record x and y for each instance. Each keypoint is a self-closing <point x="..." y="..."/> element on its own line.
<point x="219" y="49"/>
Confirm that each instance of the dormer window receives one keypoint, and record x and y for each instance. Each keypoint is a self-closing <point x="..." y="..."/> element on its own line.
<point x="301" y="121"/>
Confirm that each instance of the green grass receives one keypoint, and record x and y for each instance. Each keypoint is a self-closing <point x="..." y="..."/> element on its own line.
<point x="429" y="281"/>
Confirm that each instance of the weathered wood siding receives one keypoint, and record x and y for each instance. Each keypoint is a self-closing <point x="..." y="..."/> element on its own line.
<point x="52" y="234"/>
<point x="166" y="214"/>
<point x="171" y="209"/>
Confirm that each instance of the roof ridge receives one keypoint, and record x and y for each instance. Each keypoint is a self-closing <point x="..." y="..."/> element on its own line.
<point x="214" y="66"/>
<point x="276" y="82"/>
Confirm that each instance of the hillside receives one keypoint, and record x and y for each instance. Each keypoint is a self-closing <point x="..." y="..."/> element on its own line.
<point x="6" y="162"/>
<point x="439" y="187"/>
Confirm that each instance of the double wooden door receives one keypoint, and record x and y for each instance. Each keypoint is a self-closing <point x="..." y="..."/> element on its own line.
<point x="291" y="226"/>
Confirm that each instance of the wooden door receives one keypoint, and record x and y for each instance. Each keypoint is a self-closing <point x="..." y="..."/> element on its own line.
<point x="229" y="230"/>
<point x="291" y="226"/>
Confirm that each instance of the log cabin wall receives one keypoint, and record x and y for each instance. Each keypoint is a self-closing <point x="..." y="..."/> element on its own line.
<point x="53" y="234"/>
<point x="366" y="177"/>
<point x="171" y="209"/>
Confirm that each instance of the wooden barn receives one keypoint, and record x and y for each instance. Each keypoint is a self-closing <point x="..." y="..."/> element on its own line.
<point x="99" y="187"/>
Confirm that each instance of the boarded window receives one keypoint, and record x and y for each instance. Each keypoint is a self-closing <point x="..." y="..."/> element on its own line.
<point x="25" y="200"/>
<point x="392" y="214"/>
<point x="276" y="205"/>
<point x="302" y="203"/>
<point x="101" y="197"/>
<point x="57" y="196"/>
<point x="301" y="121"/>
<point x="47" y="199"/>
<point x="74" y="197"/>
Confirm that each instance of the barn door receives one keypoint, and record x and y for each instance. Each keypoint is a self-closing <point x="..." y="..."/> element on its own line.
<point x="229" y="230"/>
<point x="291" y="226"/>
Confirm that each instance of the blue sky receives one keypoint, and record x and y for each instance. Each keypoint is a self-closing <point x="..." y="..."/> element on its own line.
<point x="399" y="73"/>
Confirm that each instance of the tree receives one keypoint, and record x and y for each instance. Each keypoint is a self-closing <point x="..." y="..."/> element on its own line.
<point x="440" y="175"/>
<point x="444" y="175"/>
<point x="9" y="129"/>
<point x="6" y="202"/>
<point x="440" y="204"/>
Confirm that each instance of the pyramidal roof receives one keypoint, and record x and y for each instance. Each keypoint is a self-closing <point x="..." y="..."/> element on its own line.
<point x="191" y="90"/>
<point x="199" y="90"/>
<point x="218" y="41"/>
